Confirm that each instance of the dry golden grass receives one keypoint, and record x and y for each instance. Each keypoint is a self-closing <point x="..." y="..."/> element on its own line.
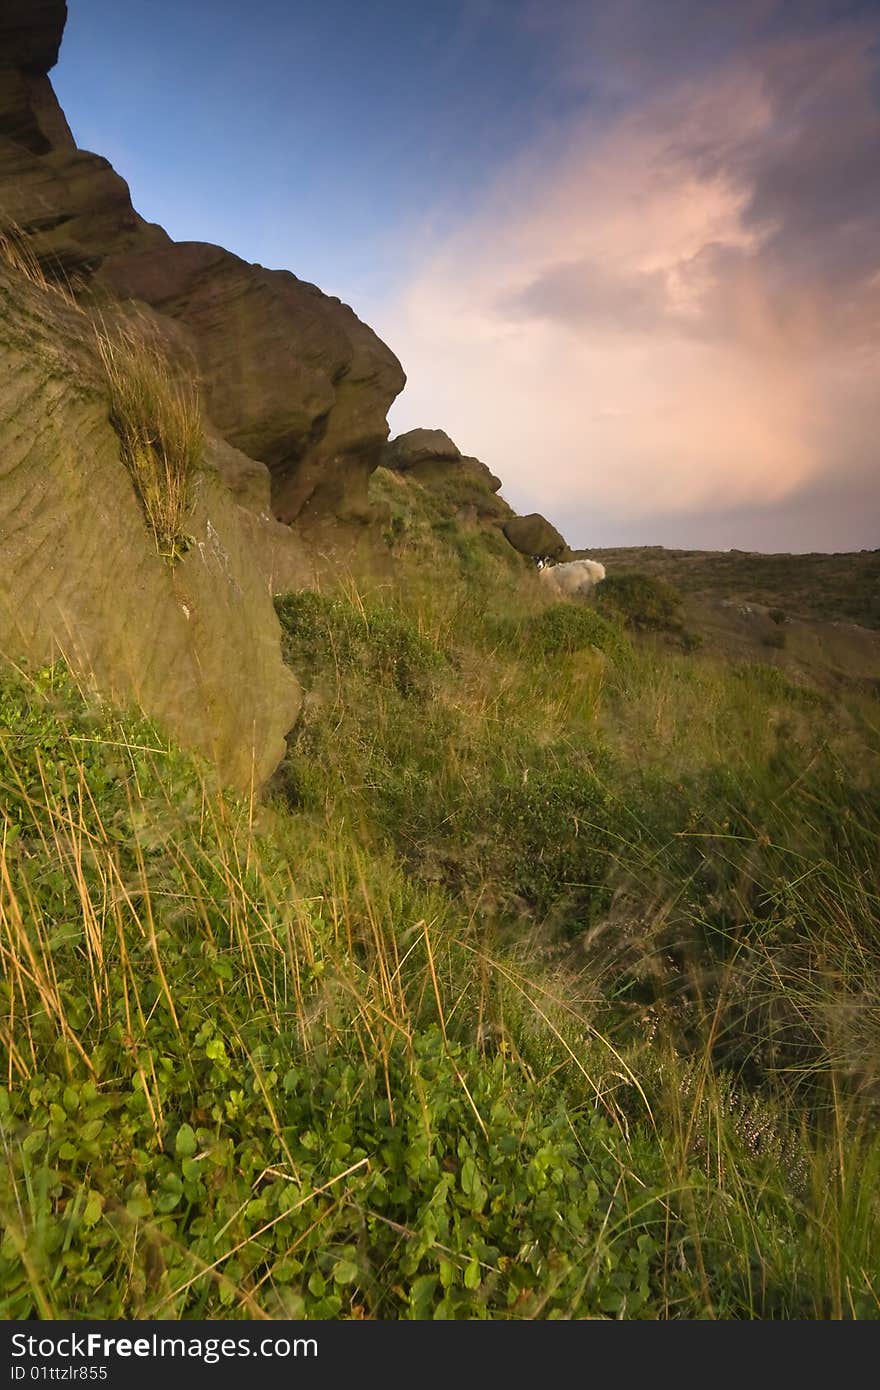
<point x="154" y="409"/>
<point x="157" y="416"/>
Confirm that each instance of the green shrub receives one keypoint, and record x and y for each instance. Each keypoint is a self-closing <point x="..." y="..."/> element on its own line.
<point x="641" y="601"/>
<point x="156" y="413"/>
<point x="550" y="839"/>
<point x="690" y="641"/>
<point x="323" y="632"/>
<point x="560" y="630"/>
<point x="771" y="683"/>
<point x="565" y="628"/>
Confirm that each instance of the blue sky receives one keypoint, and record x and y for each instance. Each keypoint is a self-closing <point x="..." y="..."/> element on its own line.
<point x="628" y="254"/>
<point x="318" y="135"/>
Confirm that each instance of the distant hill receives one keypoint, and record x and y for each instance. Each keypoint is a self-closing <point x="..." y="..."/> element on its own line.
<point x="831" y="588"/>
<point x="815" y="617"/>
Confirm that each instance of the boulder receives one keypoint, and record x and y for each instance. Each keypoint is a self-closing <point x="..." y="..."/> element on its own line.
<point x="291" y="376"/>
<point x="534" y="535"/>
<point x="431" y="458"/>
<point x="197" y="644"/>
<point x="419" y="446"/>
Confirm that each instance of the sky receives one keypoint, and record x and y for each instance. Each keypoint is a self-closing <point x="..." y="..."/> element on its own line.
<point x="628" y="251"/>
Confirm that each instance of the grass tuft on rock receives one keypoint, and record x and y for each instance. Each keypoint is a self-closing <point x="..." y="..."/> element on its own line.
<point x="156" y="413"/>
<point x="17" y="252"/>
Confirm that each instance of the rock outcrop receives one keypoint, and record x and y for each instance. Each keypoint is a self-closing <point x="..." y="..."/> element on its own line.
<point x="464" y="484"/>
<point x="295" y="392"/>
<point x="534" y="535"/>
<point x="468" y="491"/>
<point x="429" y="454"/>
<point x="30" y="34"/>
<point x="408" y="450"/>
<point x="291" y="376"/>
<point x="72" y="204"/>
<point x="196" y="645"/>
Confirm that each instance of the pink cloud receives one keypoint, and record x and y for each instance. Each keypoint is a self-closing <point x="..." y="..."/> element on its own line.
<point x="665" y="319"/>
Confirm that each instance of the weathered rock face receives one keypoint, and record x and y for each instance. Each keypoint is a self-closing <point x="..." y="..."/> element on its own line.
<point x="196" y="645"/>
<point x="72" y="204"/>
<point x="292" y="377"/>
<point x="30" y="34"/>
<point x="534" y="535"/>
<point x="431" y="456"/>
<point x="296" y="389"/>
<point x="420" y="446"/>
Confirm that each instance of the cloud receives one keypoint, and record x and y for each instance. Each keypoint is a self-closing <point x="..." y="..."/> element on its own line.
<point x="671" y="316"/>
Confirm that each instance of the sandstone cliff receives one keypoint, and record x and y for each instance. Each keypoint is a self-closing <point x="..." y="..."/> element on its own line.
<point x="291" y="376"/>
<point x="195" y="644"/>
<point x="294" y="391"/>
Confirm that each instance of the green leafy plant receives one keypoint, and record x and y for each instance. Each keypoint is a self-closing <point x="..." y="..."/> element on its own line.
<point x="565" y="628"/>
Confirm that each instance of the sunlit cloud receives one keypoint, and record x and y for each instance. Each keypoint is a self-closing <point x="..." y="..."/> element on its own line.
<point x="666" y="319"/>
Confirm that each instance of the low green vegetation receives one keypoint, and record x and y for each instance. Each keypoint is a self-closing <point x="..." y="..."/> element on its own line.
<point x="641" y="601"/>
<point x="564" y="629"/>
<point x="427" y="529"/>
<point x="543" y="983"/>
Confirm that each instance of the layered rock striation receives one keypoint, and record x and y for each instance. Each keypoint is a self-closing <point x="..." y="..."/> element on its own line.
<point x="294" y="389"/>
<point x="195" y="644"/>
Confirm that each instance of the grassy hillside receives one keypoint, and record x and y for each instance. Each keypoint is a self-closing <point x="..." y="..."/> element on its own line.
<point x="543" y="982"/>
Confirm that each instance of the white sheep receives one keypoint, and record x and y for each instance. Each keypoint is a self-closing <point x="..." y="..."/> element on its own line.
<point x="573" y="577"/>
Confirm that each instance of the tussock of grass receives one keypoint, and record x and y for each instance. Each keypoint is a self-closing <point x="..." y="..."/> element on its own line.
<point x="157" y="416"/>
<point x="18" y="253"/>
<point x="154" y="409"/>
